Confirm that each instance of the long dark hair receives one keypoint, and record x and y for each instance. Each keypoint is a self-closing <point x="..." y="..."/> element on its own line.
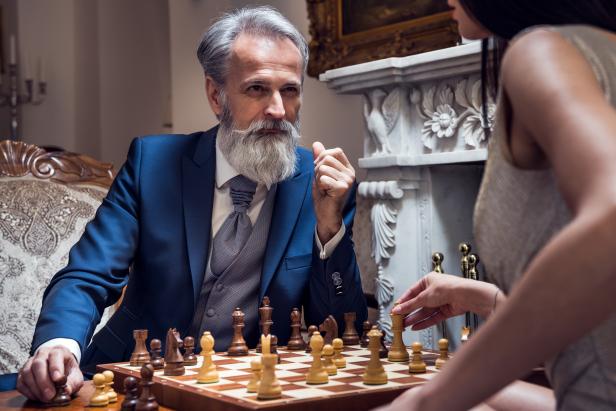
<point x="506" y="18"/>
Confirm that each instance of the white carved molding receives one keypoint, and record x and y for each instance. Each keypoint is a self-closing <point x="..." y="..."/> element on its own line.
<point x="381" y="189"/>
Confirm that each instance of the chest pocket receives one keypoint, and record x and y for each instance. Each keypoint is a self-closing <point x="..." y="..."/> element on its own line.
<point x="298" y="261"/>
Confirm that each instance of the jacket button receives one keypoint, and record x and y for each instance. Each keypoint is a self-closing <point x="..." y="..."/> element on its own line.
<point x="220" y="287"/>
<point x="211" y="312"/>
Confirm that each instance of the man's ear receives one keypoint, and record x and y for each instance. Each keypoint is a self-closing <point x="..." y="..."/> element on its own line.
<point x="212" y="90"/>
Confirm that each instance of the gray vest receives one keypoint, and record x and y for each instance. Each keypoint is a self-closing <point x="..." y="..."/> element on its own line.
<point x="237" y="286"/>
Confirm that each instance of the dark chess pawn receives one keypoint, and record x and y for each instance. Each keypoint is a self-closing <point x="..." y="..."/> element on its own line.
<point x="189" y="351"/>
<point x="311" y="330"/>
<point x="238" y="344"/>
<point x="296" y="342"/>
<point x="274" y="346"/>
<point x="383" y="351"/>
<point x="62" y="398"/>
<point x="350" y="337"/>
<point x="146" y="401"/>
<point x="155" y="349"/>
<point x="131" y="392"/>
<point x="367" y="326"/>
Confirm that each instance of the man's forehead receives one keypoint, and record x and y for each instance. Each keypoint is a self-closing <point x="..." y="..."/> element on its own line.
<point x="251" y="53"/>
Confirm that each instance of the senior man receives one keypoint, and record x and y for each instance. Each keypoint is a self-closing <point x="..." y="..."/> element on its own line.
<point x="199" y="224"/>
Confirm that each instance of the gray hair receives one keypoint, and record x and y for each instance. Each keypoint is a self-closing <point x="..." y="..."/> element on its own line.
<point x="215" y="47"/>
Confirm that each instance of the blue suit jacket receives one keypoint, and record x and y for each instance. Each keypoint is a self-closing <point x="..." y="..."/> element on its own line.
<point x="156" y="219"/>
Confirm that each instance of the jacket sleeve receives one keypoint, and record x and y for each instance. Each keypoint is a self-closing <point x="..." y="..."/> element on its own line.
<point x="335" y="284"/>
<point x="98" y="263"/>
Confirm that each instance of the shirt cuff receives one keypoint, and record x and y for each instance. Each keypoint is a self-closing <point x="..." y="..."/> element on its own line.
<point x="71" y="345"/>
<point x="326" y="251"/>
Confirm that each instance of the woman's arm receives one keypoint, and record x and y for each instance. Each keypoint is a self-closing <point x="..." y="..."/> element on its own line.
<point x="568" y="287"/>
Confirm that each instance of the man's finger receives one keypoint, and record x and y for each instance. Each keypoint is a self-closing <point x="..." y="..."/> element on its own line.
<point x="74" y="378"/>
<point x="338" y="175"/>
<point x="56" y="362"/>
<point x="335" y="163"/>
<point x="331" y="186"/>
<point x="430" y="321"/>
<point x="23" y="388"/>
<point x="317" y="149"/>
<point x="40" y="372"/>
<point x="30" y="382"/>
<point x="419" y="315"/>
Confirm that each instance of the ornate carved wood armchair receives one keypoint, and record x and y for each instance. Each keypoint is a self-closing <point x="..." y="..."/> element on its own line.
<point x="46" y="200"/>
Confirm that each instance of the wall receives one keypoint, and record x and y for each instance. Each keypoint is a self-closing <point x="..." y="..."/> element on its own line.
<point x="108" y="72"/>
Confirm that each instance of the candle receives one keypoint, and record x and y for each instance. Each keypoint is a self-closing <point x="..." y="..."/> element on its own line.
<point x="13" y="59"/>
<point x="41" y="70"/>
<point x="27" y="68"/>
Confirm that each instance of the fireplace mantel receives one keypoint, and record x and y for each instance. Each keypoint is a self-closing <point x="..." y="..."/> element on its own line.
<point x="424" y="147"/>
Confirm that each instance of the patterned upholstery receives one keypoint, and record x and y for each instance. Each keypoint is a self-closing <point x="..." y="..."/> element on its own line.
<point x="41" y="217"/>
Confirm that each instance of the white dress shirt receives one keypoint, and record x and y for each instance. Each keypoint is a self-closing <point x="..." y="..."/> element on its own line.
<point x="222" y="207"/>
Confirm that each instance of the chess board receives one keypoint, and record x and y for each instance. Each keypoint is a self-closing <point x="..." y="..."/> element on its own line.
<point x="345" y="391"/>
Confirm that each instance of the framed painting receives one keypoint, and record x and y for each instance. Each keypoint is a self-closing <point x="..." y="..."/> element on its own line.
<point x="346" y="32"/>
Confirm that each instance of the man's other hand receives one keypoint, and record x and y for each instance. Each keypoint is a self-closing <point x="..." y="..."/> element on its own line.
<point x="333" y="178"/>
<point x="49" y="364"/>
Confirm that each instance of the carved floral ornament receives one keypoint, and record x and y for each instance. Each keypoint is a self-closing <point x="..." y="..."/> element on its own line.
<point x="446" y="111"/>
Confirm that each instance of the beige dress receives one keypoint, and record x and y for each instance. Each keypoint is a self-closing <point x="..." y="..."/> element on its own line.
<point x="516" y="214"/>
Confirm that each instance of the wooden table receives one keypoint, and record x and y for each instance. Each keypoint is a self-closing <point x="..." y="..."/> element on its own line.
<point x="13" y="400"/>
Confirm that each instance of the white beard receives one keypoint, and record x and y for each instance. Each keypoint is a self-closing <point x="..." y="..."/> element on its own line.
<point x="262" y="157"/>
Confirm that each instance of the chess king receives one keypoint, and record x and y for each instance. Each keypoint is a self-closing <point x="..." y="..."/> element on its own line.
<point x="199" y="224"/>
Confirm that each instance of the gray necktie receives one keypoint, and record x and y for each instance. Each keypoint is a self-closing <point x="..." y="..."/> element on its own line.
<point x="235" y="230"/>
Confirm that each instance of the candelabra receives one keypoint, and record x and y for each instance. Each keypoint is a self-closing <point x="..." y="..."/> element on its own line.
<point x="13" y="98"/>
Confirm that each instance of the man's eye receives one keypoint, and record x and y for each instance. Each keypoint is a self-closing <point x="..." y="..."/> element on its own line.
<point x="255" y="88"/>
<point x="293" y="91"/>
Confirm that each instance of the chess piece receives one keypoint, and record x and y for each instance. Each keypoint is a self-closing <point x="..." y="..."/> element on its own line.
<point x="174" y="361"/>
<point x="99" y="398"/>
<point x="269" y="386"/>
<point x="111" y="394"/>
<point x="146" y="401"/>
<point x="189" y="351"/>
<point x="140" y="354"/>
<point x="238" y="345"/>
<point x="330" y="328"/>
<point x="437" y="262"/>
<point x="274" y="347"/>
<point x="443" y="347"/>
<point x="265" y="319"/>
<point x="157" y="361"/>
<point x="364" y="340"/>
<point x="207" y="373"/>
<point x="62" y="397"/>
<point x="397" y="350"/>
<point x="417" y="364"/>
<point x="255" y="368"/>
<point x="473" y="260"/>
<point x="383" y="351"/>
<point x="339" y="359"/>
<point x="131" y="391"/>
<point x="311" y="331"/>
<point x="375" y="373"/>
<point x="328" y="360"/>
<point x="296" y="342"/>
<point x="316" y="374"/>
<point x="350" y="336"/>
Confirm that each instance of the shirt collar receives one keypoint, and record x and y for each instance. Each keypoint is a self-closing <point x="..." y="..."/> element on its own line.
<point x="224" y="170"/>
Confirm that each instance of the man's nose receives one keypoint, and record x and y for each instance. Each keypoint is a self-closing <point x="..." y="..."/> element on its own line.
<point x="275" y="107"/>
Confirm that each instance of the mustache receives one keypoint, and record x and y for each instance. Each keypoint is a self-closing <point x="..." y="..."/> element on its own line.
<point x="261" y="127"/>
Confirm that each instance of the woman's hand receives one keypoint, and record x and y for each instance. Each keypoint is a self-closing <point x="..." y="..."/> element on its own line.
<point x="437" y="297"/>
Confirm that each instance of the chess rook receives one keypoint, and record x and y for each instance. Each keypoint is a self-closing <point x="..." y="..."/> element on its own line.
<point x="140" y="354"/>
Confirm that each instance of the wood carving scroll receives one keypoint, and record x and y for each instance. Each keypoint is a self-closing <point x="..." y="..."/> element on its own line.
<point x="18" y="159"/>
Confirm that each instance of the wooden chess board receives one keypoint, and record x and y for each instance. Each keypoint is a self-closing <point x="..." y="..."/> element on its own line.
<point x="345" y="391"/>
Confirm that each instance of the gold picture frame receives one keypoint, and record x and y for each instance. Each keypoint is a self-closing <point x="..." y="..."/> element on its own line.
<point x="346" y="32"/>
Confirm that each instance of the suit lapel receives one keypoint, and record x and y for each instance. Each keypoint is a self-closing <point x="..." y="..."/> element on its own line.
<point x="198" y="179"/>
<point x="290" y="196"/>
